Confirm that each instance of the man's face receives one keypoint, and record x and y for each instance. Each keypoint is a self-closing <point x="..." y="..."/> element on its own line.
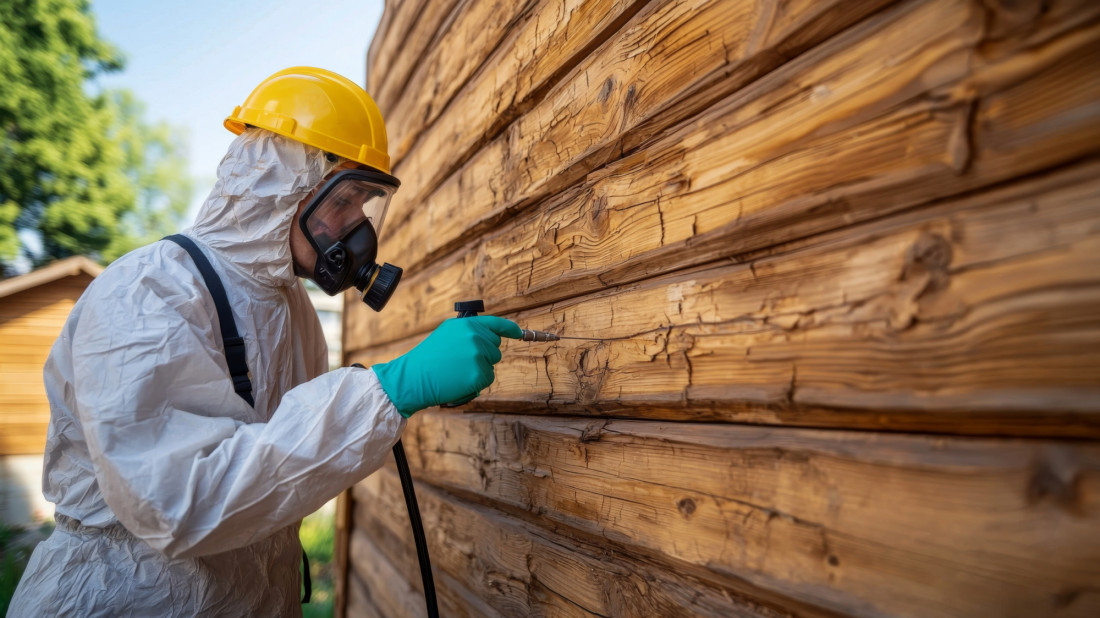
<point x="304" y="256"/>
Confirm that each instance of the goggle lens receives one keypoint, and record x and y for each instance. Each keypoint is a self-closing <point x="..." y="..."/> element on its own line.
<point x="345" y="206"/>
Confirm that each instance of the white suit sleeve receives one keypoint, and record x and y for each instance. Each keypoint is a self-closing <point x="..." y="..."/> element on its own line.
<point x="173" y="465"/>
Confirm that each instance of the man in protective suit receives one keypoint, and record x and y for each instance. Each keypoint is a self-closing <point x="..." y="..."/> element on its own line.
<point x="179" y="487"/>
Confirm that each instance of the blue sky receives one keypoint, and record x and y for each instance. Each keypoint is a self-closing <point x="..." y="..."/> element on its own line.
<point x="192" y="62"/>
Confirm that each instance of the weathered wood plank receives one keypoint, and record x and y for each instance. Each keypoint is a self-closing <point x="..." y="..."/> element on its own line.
<point x="382" y="586"/>
<point x="359" y="603"/>
<point x="393" y="544"/>
<point x="514" y="568"/>
<point x="959" y="317"/>
<point x="394" y="54"/>
<point x="471" y="34"/>
<point x="855" y="522"/>
<point x="803" y="167"/>
<point x="546" y="41"/>
<point x="383" y="36"/>
<point x="665" y="52"/>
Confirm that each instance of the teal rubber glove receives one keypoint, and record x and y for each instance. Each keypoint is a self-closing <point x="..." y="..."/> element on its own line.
<point x="455" y="362"/>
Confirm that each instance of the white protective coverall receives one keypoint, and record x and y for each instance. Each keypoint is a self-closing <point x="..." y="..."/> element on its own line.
<point x="174" y="497"/>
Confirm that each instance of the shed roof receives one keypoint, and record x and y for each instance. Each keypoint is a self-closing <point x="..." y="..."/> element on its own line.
<point x="69" y="267"/>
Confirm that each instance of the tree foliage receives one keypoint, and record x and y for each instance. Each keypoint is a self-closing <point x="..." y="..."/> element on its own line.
<point x="79" y="167"/>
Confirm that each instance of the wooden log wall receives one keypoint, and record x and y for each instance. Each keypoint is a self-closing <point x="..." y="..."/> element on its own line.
<point x="846" y="257"/>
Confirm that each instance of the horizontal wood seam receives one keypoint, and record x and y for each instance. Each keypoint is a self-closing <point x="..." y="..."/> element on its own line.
<point x="443" y="25"/>
<point x="597" y="544"/>
<point x="777" y="250"/>
<point x="518" y="109"/>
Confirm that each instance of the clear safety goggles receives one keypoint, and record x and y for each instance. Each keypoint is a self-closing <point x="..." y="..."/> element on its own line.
<point x="344" y="202"/>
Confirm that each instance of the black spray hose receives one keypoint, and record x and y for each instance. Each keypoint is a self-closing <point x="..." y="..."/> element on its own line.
<point x="417" y="525"/>
<point x="418" y="529"/>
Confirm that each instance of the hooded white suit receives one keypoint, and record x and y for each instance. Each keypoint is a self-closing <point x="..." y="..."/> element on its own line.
<point x="174" y="497"/>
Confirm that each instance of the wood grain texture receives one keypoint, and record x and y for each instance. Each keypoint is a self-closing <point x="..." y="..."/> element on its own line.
<point x="961" y="311"/>
<point x="773" y="164"/>
<point x="393" y="56"/>
<point x="382" y="589"/>
<point x="843" y="259"/>
<point x="855" y="522"/>
<point x="493" y="564"/>
<point x="580" y="123"/>
<point x="359" y="603"/>
<point x="475" y="30"/>
<point x="393" y="582"/>
<point x="545" y="43"/>
<point x="383" y="36"/>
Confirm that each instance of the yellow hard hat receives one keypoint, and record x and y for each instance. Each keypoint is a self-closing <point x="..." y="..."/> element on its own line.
<point x="318" y="108"/>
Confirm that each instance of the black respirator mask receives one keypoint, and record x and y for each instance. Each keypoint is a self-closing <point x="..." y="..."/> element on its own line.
<point x="342" y="223"/>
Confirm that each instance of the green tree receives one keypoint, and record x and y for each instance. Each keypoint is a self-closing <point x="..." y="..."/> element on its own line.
<point x="78" y="166"/>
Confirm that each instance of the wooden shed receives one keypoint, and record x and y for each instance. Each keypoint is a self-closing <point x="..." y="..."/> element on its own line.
<point x="845" y="260"/>
<point x="33" y="309"/>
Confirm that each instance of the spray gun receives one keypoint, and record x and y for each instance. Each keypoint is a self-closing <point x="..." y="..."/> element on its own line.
<point x="470" y="308"/>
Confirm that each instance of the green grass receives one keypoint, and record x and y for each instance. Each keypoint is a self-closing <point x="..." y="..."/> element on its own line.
<point x="12" y="563"/>
<point x="13" y="559"/>
<point x="318" y="535"/>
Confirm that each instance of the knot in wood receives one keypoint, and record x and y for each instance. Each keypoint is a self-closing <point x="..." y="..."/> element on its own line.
<point x="590" y="366"/>
<point x="605" y="91"/>
<point x="598" y="222"/>
<point x="927" y="262"/>
<point x="1059" y="484"/>
<point x="686" y="506"/>
<point x="631" y="96"/>
<point x="931" y="252"/>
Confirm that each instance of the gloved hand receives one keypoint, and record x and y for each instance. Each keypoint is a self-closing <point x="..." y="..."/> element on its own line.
<point x="454" y="362"/>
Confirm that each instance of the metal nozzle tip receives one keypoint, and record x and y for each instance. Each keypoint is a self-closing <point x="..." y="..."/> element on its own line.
<point x="538" y="335"/>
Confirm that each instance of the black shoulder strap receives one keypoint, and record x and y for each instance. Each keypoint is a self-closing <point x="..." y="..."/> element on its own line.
<point x="234" y="345"/>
